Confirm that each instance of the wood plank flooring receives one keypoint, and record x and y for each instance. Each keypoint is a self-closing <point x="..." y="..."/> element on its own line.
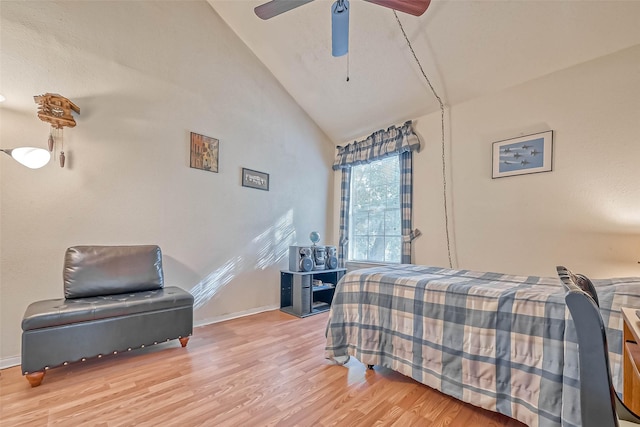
<point x="262" y="370"/>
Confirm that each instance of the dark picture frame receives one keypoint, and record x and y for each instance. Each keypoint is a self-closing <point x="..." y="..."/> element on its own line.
<point x="204" y="152"/>
<point x="255" y="179"/>
<point x="523" y="155"/>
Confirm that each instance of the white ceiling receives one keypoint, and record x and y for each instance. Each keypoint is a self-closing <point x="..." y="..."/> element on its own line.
<point x="467" y="49"/>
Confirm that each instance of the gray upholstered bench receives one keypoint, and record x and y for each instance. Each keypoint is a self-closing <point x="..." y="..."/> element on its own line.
<point x="115" y="300"/>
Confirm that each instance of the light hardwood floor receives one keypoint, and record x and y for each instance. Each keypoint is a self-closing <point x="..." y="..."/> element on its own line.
<point x="261" y="370"/>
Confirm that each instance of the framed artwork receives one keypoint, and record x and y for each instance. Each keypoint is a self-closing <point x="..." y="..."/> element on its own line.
<point x="523" y="155"/>
<point x="204" y="152"/>
<point x="255" y="179"/>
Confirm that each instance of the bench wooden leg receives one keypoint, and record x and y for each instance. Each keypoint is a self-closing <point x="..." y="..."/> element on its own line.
<point x="184" y="341"/>
<point x="35" y="378"/>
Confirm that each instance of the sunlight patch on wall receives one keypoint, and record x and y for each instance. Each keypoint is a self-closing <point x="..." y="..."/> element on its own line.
<point x="623" y="214"/>
<point x="216" y="280"/>
<point x="265" y="250"/>
<point x="273" y="244"/>
<point x="630" y="217"/>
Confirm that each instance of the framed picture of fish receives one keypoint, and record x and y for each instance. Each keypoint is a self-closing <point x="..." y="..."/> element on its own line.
<point x="523" y="155"/>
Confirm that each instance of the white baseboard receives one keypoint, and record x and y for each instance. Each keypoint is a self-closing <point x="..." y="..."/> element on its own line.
<point x="9" y="362"/>
<point x="235" y="315"/>
<point x="15" y="360"/>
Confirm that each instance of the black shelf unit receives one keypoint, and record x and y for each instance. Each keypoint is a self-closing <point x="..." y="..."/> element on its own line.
<point x="299" y="296"/>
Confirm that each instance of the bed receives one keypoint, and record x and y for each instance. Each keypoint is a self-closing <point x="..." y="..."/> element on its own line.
<point x="502" y="342"/>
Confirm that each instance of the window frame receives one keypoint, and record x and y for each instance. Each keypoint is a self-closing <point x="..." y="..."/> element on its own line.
<point x="351" y="214"/>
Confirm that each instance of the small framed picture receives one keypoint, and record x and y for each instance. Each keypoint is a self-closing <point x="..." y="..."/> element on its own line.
<point x="204" y="152"/>
<point x="523" y="155"/>
<point x="255" y="179"/>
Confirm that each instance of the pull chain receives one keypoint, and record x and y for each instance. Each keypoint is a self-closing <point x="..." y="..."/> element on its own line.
<point x="347" y="66"/>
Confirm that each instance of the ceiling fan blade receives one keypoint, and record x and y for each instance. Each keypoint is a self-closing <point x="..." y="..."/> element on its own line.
<point x="340" y="28"/>
<point x="412" y="7"/>
<point x="276" y="7"/>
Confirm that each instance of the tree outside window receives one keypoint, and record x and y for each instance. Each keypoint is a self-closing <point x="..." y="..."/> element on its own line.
<point x="374" y="215"/>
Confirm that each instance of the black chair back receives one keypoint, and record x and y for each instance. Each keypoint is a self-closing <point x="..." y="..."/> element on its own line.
<point x="597" y="400"/>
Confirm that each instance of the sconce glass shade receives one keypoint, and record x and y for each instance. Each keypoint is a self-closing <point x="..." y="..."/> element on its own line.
<point x="31" y="157"/>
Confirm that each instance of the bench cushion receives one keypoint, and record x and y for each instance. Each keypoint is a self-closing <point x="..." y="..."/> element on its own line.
<point x="106" y="270"/>
<point x="56" y="312"/>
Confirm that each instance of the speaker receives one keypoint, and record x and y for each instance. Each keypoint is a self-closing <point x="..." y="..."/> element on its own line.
<point x="301" y="294"/>
<point x="332" y="258"/>
<point x="300" y="258"/>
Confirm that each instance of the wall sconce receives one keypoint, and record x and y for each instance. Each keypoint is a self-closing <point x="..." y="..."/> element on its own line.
<point x="56" y="110"/>
<point x="31" y="157"/>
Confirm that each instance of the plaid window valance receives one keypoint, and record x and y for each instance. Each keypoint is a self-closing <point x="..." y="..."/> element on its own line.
<point x="379" y="144"/>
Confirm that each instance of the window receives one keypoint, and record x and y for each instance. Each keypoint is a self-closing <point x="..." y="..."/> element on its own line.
<point x="376" y="205"/>
<point x="375" y="231"/>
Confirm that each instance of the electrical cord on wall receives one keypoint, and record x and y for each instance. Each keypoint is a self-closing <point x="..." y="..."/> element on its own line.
<point x="444" y="163"/>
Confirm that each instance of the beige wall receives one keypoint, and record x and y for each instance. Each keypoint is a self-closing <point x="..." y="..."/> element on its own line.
<point x="584" y="214"/>
<point x="145" y="74"/>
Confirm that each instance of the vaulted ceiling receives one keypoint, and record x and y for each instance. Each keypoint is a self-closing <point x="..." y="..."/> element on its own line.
<point x="468" y="49"/>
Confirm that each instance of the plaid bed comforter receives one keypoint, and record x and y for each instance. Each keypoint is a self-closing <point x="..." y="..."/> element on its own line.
<point x="505" y="343"/>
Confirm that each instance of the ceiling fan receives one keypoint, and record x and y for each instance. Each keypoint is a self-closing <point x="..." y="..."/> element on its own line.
<point x="340" y="16"/>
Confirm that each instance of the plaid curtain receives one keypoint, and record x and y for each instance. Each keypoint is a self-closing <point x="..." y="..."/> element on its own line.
<point x="382" y="143"/>
<point x="345" y="194"/>
<point x="406" y="205"/>
<point x="395" y="140"/>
